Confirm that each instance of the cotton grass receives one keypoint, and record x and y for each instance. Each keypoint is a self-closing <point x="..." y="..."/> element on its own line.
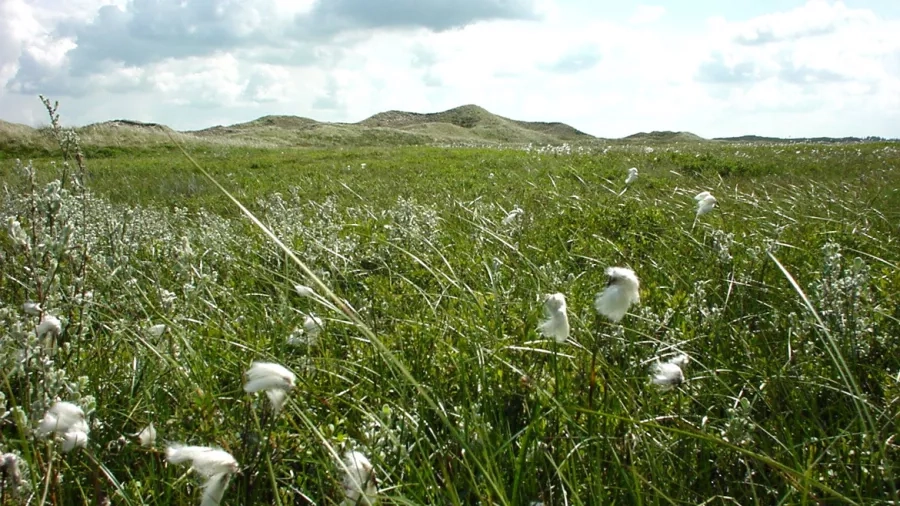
<point x="622" y="290"/>
<point x="556" y="325"/>
<point x="360" y="485"/>
<point x="214" y="464"/>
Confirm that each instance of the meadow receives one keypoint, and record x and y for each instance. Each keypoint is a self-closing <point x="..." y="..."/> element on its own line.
<point x="429" y="360"/>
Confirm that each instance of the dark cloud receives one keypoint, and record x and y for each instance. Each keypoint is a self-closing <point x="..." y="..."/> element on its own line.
<point x="147" y="31"/>
<point x="333" y="16"/>
<point x="144" y="32"/>
<point x="718" y="71"/>
<point x="33" y="78"/>
<point x="575" y="61"/>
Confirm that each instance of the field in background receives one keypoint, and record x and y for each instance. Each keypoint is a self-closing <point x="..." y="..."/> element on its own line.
<point x="785" y="401"/>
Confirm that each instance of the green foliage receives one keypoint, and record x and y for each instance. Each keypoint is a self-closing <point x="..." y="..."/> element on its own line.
<point x="414" y="239"/>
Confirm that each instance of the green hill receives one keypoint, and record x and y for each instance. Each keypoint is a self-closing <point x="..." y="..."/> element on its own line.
<point x="476" y="122"/>
<point x="665" y="136"/>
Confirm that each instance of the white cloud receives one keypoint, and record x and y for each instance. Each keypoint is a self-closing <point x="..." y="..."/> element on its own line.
<point x="645" y="14"/>
<point x="822" y="60"/>
<point x="804" y="71"/>
<point x="816" y="17"/>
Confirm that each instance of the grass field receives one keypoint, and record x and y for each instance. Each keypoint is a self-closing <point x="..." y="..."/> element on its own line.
<point x="784" y="297"/>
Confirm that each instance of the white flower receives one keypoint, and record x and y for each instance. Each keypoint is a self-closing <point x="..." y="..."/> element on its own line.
<point x="214" y="464"/>
<point x="304" y="291"/>
<point x="513" y="215"/>
<point x="360" y="485"/>
<point x="622" y="290"/>
<point x="32" y="308"/>
<point x="556" y="326"/>
<point x="205" y="460"/>
<point x="667" y="375"/>
<point x="157" y="330"/>
<point x="632" y="175"/>
<point x="147" y="436"/>
<point x="705" y="205"/>
<point x="49" y="325"/>
<point x="268" y="376"/>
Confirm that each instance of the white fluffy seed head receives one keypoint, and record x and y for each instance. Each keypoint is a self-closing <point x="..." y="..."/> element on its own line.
<point x="513" y="215"/>
<point x="205" y="460"/>
<point x="157" y="330"/>
<point x="555" y="302"/>
<point x="304" y="291"/>
<point x="74" y="439"/>
<point x="360" y="485"/>
<point x="667" y="375"/>
<point x="706" y="205"/>
<point x="147" y="436"/>
<point x="312" y="326"/>
<point x="680" y="360"/>
<point x="214" y="489"/>
<point x="268" y="376"/>
<point x="556" y="325"/>
<point x="50" y="325"/>
<point x="9" y="467"/>
<point x="277" y="399"/>
<point x="632" y="175"/>
<point x="61" y="418"/>
<point x="622" y="290"/>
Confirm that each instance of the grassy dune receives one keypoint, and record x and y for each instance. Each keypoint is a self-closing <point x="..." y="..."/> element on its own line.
<point x="784" y="297"/>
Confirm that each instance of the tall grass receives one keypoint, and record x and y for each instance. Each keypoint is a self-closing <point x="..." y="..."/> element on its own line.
<point x="430" y="362"/>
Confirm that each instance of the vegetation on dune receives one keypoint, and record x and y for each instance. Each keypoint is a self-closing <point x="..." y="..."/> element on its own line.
<point x="467" y="125"/>
<point x="758" y="363"/>
<point x="470" y="124"/>
<point x="664" y="137"/>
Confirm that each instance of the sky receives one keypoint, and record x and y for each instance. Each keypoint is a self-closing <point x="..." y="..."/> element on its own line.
<point x="767" y="67"/>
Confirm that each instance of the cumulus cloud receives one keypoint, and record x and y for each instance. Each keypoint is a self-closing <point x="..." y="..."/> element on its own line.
<point x="720" y="69"/>
<point x="818" y="43"/>
<point x="331" y="16"/>
<point x="815" y="18"/>
<point x="197" y="63"/>
<point x="146" y="31"/>
<point x="575" y="60"/>
<point x="329" y="99"/>
<point x="645" y="14"/>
